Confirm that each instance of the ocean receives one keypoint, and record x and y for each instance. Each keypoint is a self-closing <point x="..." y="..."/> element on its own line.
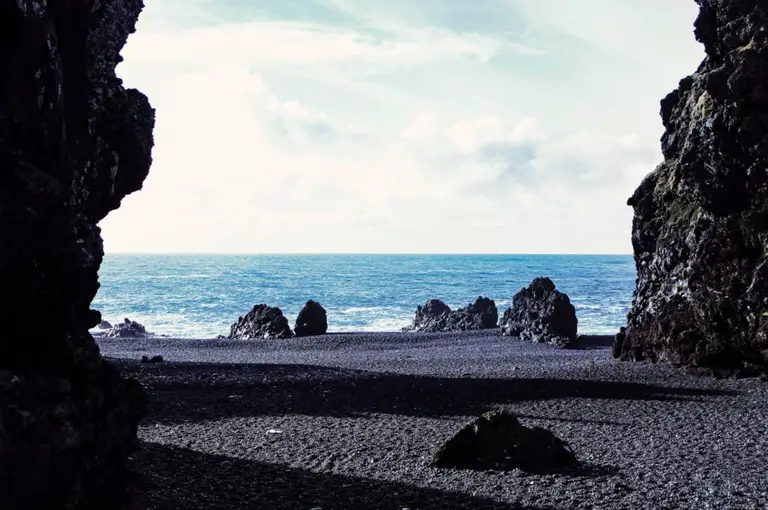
<point x="200" y="296"/>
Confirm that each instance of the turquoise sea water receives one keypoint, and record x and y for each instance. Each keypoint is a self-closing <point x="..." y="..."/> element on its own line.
<point x="199" y="296"/>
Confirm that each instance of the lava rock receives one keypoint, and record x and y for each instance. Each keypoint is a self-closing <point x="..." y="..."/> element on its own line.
<point x="153" y="359"/>
<point x="262" y="322"/>
<point x="497" y="440"/>
<point x="542" y="314"/>
<point x="435" y="316"/>
<point x="312" y="320"/>
<point x="700" y="226"/>
<point x="73" y="143"/>
<point x="104" y="325"/>
<point x="128" y="329"/>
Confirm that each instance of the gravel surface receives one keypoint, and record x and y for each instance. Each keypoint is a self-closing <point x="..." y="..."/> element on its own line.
<point x="350" y="421"/>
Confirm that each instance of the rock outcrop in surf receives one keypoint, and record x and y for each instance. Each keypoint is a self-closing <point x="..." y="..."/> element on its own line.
<point x="540" y="313"/>
<point x="700" y="228"/>
<point x="73" y="143"/>
<point x="435" y="317"/>
<point x="261" y="323"/>
<point x="312" y="320"/>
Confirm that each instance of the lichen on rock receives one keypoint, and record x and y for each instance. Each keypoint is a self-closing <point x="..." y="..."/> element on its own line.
<point x="73" y="143"/>
<point x="700" y="228"/>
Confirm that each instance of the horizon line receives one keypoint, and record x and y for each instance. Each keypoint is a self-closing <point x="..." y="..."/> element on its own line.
<point x="368" y="253"/>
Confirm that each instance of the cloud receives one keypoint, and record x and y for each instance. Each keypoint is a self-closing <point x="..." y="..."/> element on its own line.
<point x="391" y="128"/>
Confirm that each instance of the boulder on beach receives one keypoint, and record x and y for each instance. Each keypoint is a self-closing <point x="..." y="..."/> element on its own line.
<point x="435" y="317"/>
<point x="542" y="314"/>
<point x="261" y="323"/>
<point x="312" y="320"/>
<point x="127" y="329"/>
<point x="104" y="325"/>
<point x="497" y="440"/>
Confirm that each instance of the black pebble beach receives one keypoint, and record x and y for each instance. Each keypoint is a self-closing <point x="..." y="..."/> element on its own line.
<point x="351" y="422"/>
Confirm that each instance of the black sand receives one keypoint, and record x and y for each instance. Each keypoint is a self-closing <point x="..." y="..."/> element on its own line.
<point x="350" y="421"/>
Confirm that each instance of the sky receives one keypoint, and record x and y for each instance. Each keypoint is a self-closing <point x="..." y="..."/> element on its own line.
<point x="399" y="126"/>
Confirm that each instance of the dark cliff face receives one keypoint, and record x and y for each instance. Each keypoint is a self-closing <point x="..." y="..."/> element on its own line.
<point x="700" y="230"/>
<point x="73" y="143"/>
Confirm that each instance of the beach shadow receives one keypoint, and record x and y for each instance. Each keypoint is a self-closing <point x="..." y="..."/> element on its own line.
<point x="167" y="477"/>
<point x="190" y="392"/>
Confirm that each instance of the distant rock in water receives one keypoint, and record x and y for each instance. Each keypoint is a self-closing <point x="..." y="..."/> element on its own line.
<point x="541" y="314"/>
<point x="435" y="316"/>
<point x="127" y="329"/>
<point x="700" y="228"/>
<point x="262" y="322"/>
<point x="104" y="325"/>
<point x="497" y="440"/>
<point x="312" y="320"/>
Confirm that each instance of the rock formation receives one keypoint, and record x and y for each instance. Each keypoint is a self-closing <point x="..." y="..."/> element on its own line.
<point x="127" y="329"/>
<point x="261" y="323"/>
<point x="700" y="228"/>
<point x="435" y="316"/>
<point x="541" y="314"/>
<point x="497" y="440"/>
<point x="73" y="143"/>
<point x="312" y="320"/>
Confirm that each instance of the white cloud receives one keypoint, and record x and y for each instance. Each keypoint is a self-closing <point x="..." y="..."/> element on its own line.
<point x="388" y="134"/>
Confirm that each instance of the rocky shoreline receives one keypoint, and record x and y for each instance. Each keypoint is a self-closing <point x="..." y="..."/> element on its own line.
<point x="352" y="421"/>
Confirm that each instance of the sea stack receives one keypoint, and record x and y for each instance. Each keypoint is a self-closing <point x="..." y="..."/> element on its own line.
<point x="700" y="229"/>
<point x="73" y="143"/>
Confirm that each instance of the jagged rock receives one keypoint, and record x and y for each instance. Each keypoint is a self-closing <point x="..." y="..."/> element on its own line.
<point x="497" y="440"/>
<point x="541" y="314"/>
<point x="104" y="325"/>
<point x="128" y="329"/>
<point x="483" y="312"/>
<point x="700" y="228"/>
<point x="73" y="143"/>
<point x="312" y="320"/>
<point x="435" y="316"/>
<point x="262" y="322"/>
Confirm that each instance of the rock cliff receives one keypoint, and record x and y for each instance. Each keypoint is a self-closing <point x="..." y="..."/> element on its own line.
<point x="73" y="143"/>
<point x="700" y="229"/>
